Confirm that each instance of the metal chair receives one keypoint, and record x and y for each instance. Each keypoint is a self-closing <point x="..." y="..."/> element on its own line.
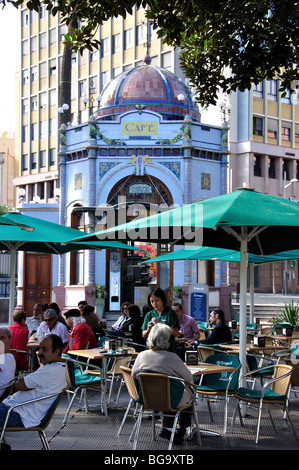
<point x="157" y="397"/>
<point x="274" y="392"/>
<point x="7" y="390"/>
<point x="79" y="379"/>
<point x="221" y="384"/>
<point x="42" y="425"/>
<point x="115" y="374"/>
<point x="204" y="352"/>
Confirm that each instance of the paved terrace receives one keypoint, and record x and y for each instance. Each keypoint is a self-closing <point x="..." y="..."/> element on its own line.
<point x="93" y="432"/>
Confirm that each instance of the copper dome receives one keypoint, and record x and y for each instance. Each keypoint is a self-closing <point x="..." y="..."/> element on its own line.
<point x="147" y="87"/>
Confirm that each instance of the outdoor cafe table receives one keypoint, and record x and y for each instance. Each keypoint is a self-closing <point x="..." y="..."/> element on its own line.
<point x="252" y="348"/>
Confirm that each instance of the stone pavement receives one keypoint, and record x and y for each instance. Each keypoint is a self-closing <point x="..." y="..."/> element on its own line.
<point x="93" y="432"/>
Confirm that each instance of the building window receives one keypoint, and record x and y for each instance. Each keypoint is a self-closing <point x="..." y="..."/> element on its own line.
<point x="286" y="169"/>
<point x="52" y="66"/>
<point x="42" y="41"/>
<point x="24" y="162"/>
<point x="43" y="100"/>
<point x="52" y="126"/>
<point x="140" y="34"/>
<point x="297" y="133"/>
<point x="258" y="90"/>
<point x="43" y="159"/>
<point x="25" y="134"/>
<point x="33" y="103"/>
<point x="272" y="128"/>
<point x="257" y="125"/>
<point x="115" y="43"/>
<point x="52" y="36"/>
<point x="34" y="131"/>
<point x="25" y="47"/>
<point x="116" y="71"/>
<point x="25" y="77"/>
<point x="33" y="44"/>
<point x="128" y="38"/>
<point x="42" y="129"/>
<point x="93" y="56"/>
<point x="272" y="90"/>
<point x="257" y="165"/>
<point x="25" y="106"/>
<point x="104" y="79"/>
<point x="286" y="131"/>
<point x="34" y="73"/>
<point x="104" y="47"/>
<point x="52" y="97"/>
<point x="271" y="167"/>
<point x="286" y="99"/>
<point x="52" y="154"/>
<point x="33" y="161"/>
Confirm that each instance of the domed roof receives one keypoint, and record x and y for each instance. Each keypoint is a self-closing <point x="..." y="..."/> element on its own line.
<point x="148" y="87"/>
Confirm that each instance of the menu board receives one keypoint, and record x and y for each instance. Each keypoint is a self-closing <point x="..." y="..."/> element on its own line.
<point x="198" y="302"/>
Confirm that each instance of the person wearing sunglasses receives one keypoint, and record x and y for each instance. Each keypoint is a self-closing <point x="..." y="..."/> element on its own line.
<point x="51" y="325"/>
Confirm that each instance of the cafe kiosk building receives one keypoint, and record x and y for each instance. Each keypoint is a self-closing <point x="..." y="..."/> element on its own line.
<point x="144" y="145"/>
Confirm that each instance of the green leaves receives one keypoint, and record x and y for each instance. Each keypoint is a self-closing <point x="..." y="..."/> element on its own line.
<point x="224" y="44"/>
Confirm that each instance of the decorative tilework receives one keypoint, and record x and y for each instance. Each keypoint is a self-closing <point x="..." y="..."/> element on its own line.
<point x="104" y="167"/>
<point x="78" y="181"/>
<point x="205" y="181"/>
<point x="175" y="167"/>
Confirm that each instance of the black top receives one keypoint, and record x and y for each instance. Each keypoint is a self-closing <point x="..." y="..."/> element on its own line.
<point x="220" y="334"/>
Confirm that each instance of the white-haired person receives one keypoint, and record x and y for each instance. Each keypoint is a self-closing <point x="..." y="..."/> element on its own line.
<point x="157" y="358"/>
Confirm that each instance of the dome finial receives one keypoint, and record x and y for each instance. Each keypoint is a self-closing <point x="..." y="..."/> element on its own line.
<point x="147" y="59"/>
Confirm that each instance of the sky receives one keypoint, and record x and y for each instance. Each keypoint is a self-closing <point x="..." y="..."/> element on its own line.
<point x="9" y="61"/>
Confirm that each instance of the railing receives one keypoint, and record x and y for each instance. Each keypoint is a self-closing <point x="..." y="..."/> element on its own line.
<point x="5" y="288"/>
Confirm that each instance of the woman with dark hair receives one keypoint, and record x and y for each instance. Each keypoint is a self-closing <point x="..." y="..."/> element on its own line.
<point x="133" y="326"/>
<point x="161" y="313"/>
<point x="124" y="317"/>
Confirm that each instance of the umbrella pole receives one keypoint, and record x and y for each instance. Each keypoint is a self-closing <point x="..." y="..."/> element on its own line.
<point x="12" y="284"/>
<point x="251" y="282"/>
<point x="243" y="303"/>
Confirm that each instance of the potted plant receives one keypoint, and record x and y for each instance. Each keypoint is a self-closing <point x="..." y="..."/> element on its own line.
<point x="177" y="292"/>
<point x="100" y="294"/>
<point x="290" y="314"/>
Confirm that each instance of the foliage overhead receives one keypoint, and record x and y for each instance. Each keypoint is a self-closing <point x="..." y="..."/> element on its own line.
<point x="224" y="44"/>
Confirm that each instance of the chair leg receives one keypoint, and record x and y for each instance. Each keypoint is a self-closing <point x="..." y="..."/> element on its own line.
<point x="271" y="418"/>
<point x="291" y="423"/>
<point x="259" y="422"/>
<point x="210" y="410"/>
<point x="125" y="417"/>
<point x="138" y="424"/>
<point x="70" y="406"/>
<point x="173" y="429"/>
<point x="195" y="418"/>
<point x="44" y="440"/>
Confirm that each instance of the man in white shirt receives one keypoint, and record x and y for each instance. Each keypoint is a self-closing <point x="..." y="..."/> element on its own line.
<point x="50" y="378"/>
<point x="53" y="326"/>
<point x="7" y="360"/>
<point x="34" y="321"/>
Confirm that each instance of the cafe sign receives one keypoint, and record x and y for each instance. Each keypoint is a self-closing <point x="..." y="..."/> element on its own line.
<point x="140" y="127"/>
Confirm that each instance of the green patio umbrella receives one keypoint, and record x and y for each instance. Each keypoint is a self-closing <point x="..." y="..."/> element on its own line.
<point x="222" y="254"/>
<point x="44" y="237"/>
<point x="244" y="220"/>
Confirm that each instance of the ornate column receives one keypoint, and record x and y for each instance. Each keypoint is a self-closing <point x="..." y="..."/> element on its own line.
<point x="187" y="147"/>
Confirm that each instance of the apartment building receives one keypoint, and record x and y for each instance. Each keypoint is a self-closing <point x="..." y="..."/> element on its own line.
<point x="124" y="43"/>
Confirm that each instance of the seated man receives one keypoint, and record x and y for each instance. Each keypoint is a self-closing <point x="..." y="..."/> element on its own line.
<point x="20" y="336"/>
<point x="221" y="333"/>
<point x="51" y="325"/>
<point x="35" y="320"/>
<point x="81" y="335"/>
<point x="7" y="361"/>
<point x="47" y="380"/>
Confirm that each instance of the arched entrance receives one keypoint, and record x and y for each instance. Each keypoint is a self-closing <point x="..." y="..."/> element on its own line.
<point x="146" y="195"/>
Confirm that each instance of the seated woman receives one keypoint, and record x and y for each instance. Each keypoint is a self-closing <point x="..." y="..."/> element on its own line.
<point x="159" y="359"/>
<point x="133" y="326"/>
<point x="81" y="335"/>
<point x="20" y="336"/>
